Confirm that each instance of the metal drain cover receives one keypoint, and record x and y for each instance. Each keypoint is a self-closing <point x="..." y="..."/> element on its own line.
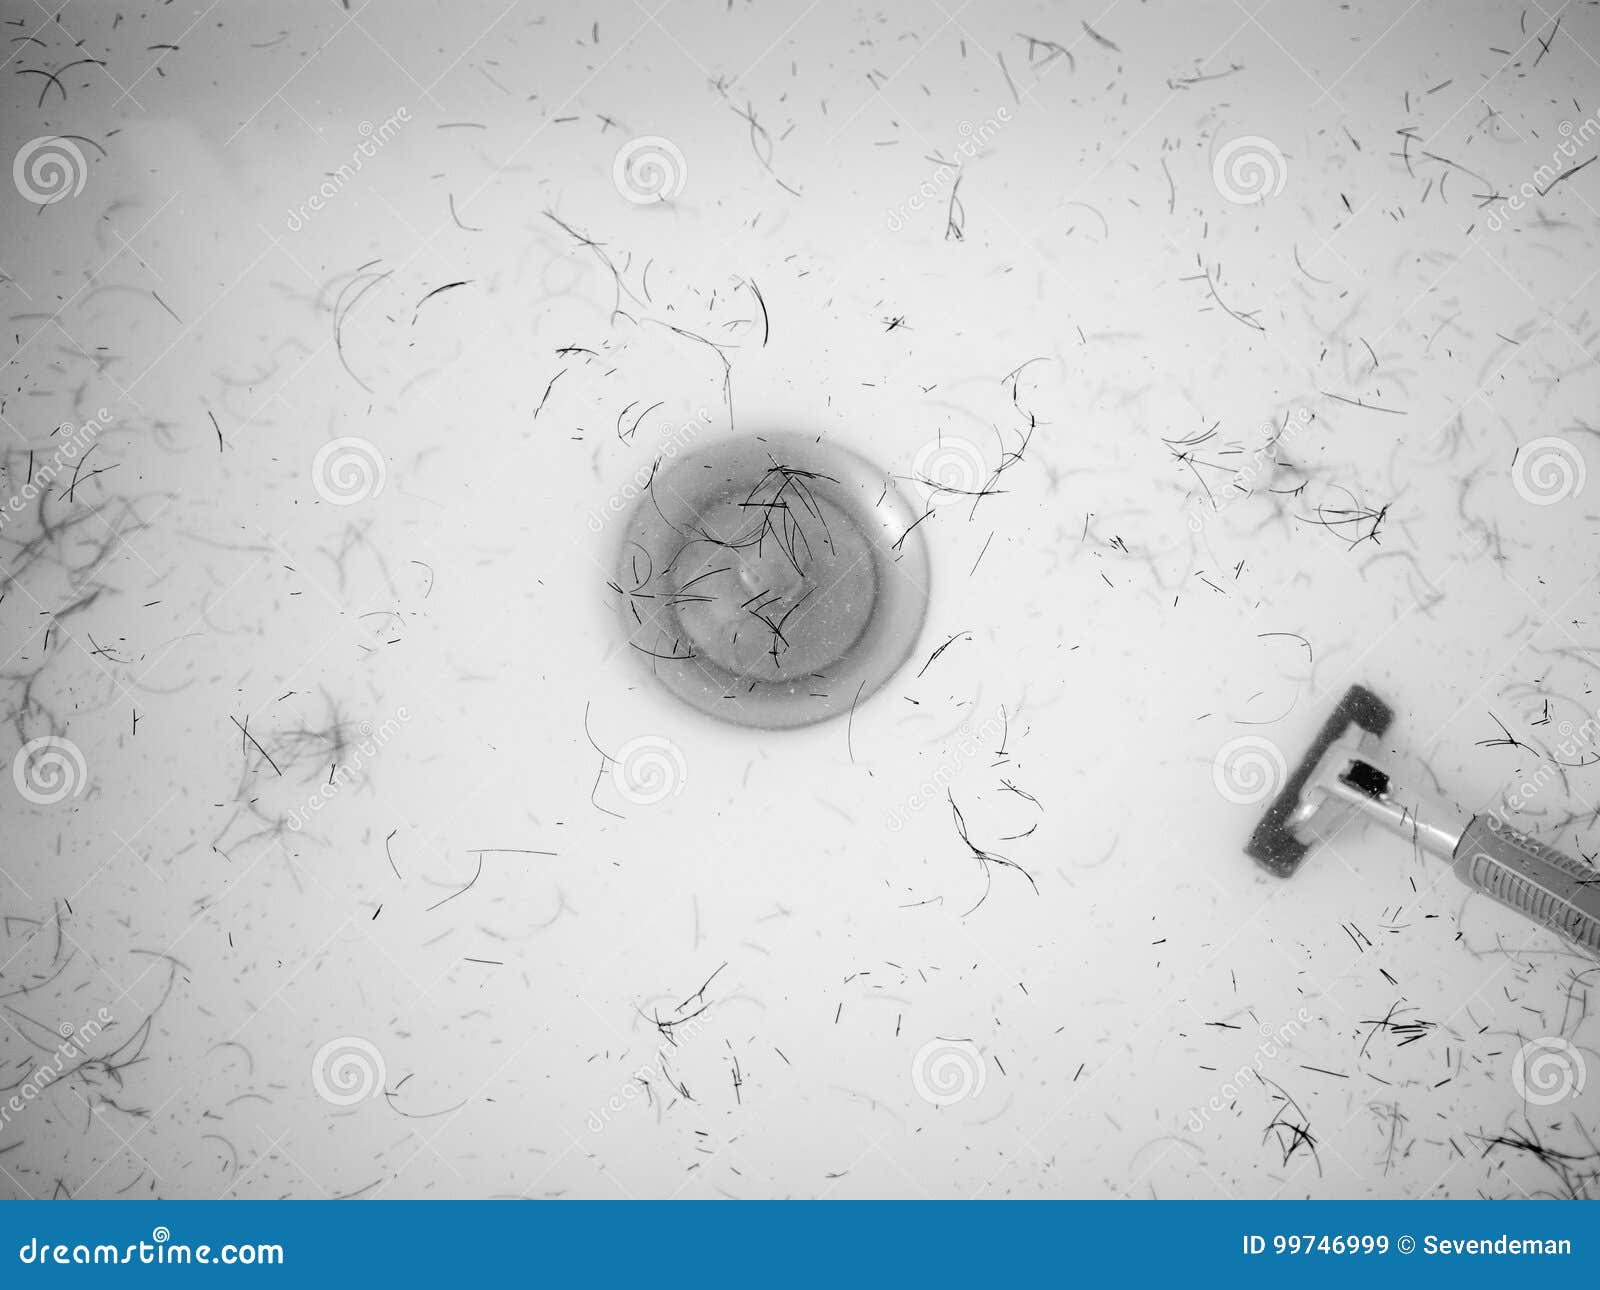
<point x="772" y="580"/>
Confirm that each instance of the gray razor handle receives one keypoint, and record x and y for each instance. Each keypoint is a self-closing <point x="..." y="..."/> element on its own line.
<point x="1532" y="879"/>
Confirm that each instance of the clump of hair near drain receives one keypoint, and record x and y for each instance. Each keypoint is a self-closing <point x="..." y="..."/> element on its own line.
<point x="772" y="580"/>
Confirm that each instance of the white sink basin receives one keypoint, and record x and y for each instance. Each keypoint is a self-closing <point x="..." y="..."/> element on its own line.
<point x="370" y="860"/>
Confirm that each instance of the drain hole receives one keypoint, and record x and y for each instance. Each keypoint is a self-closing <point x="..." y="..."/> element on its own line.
<point x="770" y="581"/>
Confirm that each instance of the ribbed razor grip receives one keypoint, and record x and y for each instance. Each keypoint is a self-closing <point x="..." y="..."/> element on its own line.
<point x="1532" y="879"/>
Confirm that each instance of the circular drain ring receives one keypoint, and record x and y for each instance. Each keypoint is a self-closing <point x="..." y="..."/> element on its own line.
<point x="772" y="581"/>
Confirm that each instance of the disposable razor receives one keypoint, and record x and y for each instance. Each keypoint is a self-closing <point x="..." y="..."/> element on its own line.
<point x="1343" y="775"/>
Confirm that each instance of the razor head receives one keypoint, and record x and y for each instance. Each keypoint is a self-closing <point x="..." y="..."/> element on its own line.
<point x="1274" y="843"/>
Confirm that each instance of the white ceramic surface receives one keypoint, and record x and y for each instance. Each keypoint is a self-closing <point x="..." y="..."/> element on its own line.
<point x="384" y="861"/>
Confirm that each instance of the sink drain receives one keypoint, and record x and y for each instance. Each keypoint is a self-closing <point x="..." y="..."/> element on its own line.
<point x="772" y="581"/>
